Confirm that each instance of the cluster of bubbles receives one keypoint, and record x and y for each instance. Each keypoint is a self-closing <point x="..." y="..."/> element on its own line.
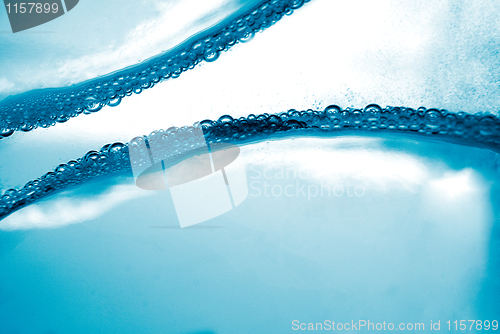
<point x="474" y="130"/>
<point x="45" y="108"/>
<point x="112" y="158"/>
<point x="170" y="145"/>
<point x="480" y="130"/>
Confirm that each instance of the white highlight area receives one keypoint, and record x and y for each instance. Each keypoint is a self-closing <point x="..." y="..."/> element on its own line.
<point x="453" y="185"/>
<point x="99" y="37"/>
<point x="335" y="160"/>
<point x="456" y="200"/>
<point x="175" y="23"/>
<point x="349" y="53"/>
<point x="5" y="84"/>
<point x="62" y="209"/>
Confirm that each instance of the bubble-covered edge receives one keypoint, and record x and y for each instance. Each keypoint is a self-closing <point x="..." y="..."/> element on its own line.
<point x="462" y="128"/>
<point x="46" y="108"/>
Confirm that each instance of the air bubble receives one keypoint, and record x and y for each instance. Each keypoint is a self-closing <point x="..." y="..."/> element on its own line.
<point x="226" y="119"/>
<point x="488" y="125"/>
<point x="26" y="128"/>
<point x="6" y="132"/>
<point x="433" y="118"/>
<point x="115" y="102"/>
<point x="92" y="105"/>
<point x="116" y="148"/>
<point x="211" y="56"/>
<point x="61" y="119"/>
<point x="297" y="4"/>
<point x="247" y="37"/>
<point x="88" y="98"/>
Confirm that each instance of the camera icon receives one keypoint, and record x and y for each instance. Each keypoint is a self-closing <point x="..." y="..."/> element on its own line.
<point x="208" y="183"/>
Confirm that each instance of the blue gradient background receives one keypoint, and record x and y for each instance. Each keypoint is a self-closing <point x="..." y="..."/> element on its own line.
<point x="422" y="244"/>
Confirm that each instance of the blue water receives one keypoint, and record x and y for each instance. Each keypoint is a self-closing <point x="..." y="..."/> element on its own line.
<point x="406" y="232"/>
<point x="47" y="107"/>
<point x="475" y="130"/>
<point x="380" y="214"/>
